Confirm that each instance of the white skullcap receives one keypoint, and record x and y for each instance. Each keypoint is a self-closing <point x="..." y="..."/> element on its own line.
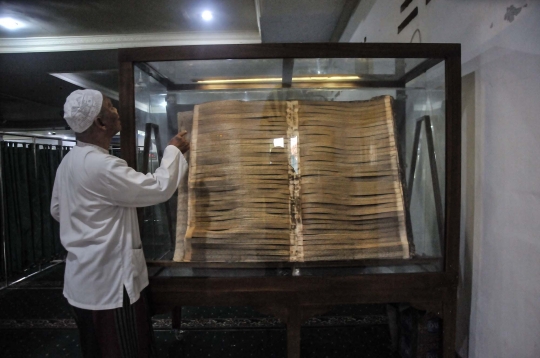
<point x="81" y="108"/>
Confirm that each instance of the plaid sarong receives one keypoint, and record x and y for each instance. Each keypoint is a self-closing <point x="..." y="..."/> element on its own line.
<point x="121" y="332"/>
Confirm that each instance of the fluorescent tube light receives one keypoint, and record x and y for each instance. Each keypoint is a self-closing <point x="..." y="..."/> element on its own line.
<point x="279" y="79"/>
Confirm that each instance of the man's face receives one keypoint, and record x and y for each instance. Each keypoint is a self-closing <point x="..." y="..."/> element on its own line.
<point x="110" y="117"/>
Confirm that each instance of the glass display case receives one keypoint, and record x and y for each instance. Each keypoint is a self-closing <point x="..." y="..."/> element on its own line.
<point x="340" y="161"/>
<point x="358" y="180"/>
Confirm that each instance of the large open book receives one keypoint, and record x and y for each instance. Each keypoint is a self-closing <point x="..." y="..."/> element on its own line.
<point x="292" y="181"/>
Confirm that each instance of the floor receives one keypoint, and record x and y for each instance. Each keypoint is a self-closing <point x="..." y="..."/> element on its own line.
<point x="35" y="321"/>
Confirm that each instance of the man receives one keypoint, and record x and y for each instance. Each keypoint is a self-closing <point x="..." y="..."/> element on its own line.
<point x="94" y="198"/>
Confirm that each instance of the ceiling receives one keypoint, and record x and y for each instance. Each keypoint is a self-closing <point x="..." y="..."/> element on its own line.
<point x="106" y="17"/>
<point x="78" y="41"/>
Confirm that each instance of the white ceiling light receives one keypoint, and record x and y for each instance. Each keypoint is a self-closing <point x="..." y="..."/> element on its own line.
<point x="10" y="23"/>
<point x="207" y="15"/>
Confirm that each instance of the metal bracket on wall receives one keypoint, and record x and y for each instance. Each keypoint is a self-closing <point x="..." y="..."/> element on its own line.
<point x="434" y="173"/>
<point x="146" y="155"/>
<point x="287" y="73"/>
<point x="2" y="217"/>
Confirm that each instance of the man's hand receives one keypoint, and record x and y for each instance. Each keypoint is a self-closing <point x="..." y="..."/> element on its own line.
<point x="180" y="142"/>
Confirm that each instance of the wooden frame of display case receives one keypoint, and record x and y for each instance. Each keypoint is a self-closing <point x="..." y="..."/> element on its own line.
<point x="294" y="299"/>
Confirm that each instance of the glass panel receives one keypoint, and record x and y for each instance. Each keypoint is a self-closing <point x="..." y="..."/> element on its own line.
<point x="271" y="70"/>
<point x="426" y="119"/>
<point x="192" y="72"/>
<point x="388" y="69"/>
<point x="150" y="114"/>
<point x="312" y="163"/>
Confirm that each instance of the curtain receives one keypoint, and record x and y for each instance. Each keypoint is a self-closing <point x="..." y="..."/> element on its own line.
<point x="32" y="235"/>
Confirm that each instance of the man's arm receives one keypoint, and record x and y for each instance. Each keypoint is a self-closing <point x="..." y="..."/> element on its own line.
<point x="55" y="205"/>
<point x="130" y="188"/>
<point x="180" y="142"/>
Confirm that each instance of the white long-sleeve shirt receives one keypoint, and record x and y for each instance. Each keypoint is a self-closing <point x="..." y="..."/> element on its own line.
<point x="94" y="198"/>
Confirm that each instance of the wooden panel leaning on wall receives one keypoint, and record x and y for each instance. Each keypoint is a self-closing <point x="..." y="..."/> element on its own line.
<point x="292" y="181"/>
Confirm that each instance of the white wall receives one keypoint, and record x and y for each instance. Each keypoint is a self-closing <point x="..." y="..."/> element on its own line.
<point x="500" y="250"/>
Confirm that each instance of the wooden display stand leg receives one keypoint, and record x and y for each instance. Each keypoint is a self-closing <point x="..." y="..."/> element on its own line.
<point x="291" y="314"/>
<point x="294" y="323"/>
<point x="297" y="315"/>
<point x="449" y="326"/>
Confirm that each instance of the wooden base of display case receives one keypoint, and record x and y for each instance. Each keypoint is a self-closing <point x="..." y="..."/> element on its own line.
<point x="295" y="299"/>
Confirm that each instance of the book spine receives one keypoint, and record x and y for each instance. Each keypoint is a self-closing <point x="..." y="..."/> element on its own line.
<point x="295" y="207"/>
